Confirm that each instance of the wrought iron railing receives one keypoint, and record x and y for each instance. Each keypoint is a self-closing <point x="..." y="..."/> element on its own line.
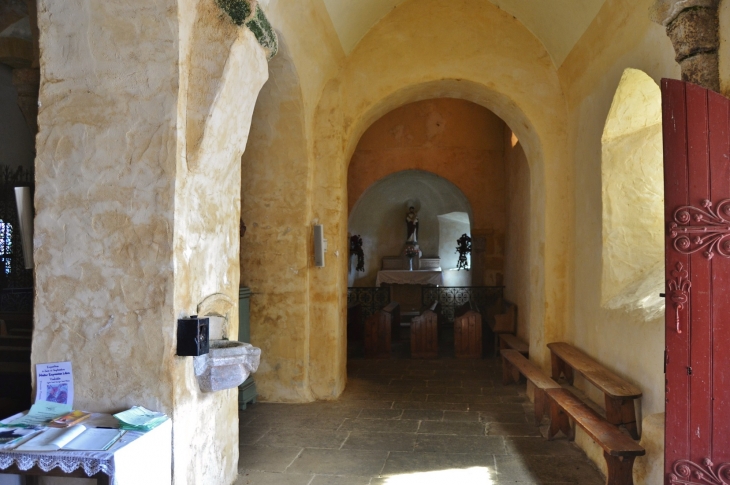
<point x="371" y="299"/>
<point x="452" y="297"/>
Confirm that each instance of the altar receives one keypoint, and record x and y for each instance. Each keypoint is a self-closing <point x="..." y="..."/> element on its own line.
<point x="407" y="277"/>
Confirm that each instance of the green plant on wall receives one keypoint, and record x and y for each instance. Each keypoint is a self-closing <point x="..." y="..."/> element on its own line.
<point x="241" y="13"/>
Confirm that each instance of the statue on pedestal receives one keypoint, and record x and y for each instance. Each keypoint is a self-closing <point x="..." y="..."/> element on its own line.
<point x="412" y="226"/>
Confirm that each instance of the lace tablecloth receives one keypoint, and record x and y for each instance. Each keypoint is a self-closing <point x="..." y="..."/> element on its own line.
<point x="123" y="462"/>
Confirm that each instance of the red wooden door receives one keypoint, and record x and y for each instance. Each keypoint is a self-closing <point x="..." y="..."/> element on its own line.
<point x="697" y="214"/>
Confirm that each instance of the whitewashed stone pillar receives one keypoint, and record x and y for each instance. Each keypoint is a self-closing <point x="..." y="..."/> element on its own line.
<point x="145" y="111"/>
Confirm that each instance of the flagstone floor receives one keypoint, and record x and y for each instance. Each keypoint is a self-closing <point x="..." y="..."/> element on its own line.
<point x="409" y="422"/>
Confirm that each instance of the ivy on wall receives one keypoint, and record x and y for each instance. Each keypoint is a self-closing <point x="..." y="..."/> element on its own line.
<point x="242" y="13"/>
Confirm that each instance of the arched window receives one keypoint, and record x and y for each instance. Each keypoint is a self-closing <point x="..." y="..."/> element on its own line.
<point x="633" y="196"/>
<point x="6" y="246"/>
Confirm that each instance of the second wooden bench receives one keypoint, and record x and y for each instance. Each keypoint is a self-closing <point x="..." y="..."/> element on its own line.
<point x="619" y="394"/>
<point x="619" y="450"/>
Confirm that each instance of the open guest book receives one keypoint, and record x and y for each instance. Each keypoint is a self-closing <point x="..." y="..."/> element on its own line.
<point x="74" y="438"/>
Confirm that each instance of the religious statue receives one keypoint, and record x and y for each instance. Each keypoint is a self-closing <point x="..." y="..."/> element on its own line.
<point x="412" y="225"/>
<point x="463" y="248"/>
<point x="356" y="249"/>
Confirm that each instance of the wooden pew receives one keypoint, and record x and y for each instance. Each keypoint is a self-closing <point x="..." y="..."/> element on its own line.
<point x="424" y="336"/>
<point x="354" y="323"/>
<point x="377" y="335"/>
<point x="504" y="323"/>
<point x="619" y="394"/>
<point x="509" y="341"/>
<point x="394" y="309"/>
<point x="619" y="450"/>
<point x="515" y="364"/>
<point x="468" y="333"/>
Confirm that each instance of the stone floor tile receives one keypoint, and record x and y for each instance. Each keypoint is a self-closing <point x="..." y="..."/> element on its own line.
<point x="401" y="463"/>
<point x="541" y="446"/>
<point x="266" y="458"/>
<point x="248" y="435"/>
<point x="565" y="468"/>
<point x="252" y="477"/>
<point x="497" y="408"/>
<point x="339" y="480"/>
<point x="380" y="414"/>
<point x="461" y="416"/>
<point x="506" y="418"/>
<point x="422" y="415"/>
<point x="364" y="463"/>
<point x="431" y="406"/>
<point x="511" y="429"/>
<point x="432" y="443"/>
<point x="365" y="404"/>
<point x="304" y="437"/>
<point x="300" y="421"/>
<point x="366" y="440"/>
<point x="452" y="427"/>
<point x="381" y="425"/>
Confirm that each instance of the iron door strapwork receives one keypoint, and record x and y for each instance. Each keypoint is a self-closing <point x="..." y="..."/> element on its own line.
<point x="696" y="127"/>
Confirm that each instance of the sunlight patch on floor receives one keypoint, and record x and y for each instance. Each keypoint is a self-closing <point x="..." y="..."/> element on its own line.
<point x="465" y="476"/>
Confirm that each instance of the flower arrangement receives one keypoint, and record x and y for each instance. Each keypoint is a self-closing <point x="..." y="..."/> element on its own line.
<point x="412" y="251"/>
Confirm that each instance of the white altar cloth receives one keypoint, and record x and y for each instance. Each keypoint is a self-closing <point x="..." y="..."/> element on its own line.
<point x="406" y="277"/>
<point x="135" y="459"/>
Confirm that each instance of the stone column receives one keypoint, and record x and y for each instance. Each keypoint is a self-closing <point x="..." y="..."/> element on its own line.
<point x="692" y="26"/>
<point x="137" y="220"/>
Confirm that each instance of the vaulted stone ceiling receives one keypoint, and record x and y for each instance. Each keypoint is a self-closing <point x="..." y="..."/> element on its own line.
<point x="557" y="23"/>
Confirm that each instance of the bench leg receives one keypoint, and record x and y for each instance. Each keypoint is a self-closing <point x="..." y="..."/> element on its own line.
<point x="555" y="366"/>
<point x="541" y="402"/>
<point x="621" y="411"/>
<point x="619" y="469"/>
<point x="506" y="372"/>
<point x="559" y="421"/>
<point x="559" y="366"/>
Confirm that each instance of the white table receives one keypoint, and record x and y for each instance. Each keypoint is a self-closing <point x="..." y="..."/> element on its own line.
<point x="406" y="277"/>
<point x="135" y="459"/>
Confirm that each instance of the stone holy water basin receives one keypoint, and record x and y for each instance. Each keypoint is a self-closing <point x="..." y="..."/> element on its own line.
<point x="226" y="365"/>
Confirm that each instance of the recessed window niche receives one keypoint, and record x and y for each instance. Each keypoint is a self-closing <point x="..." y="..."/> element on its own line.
<point x="633" y="197"/>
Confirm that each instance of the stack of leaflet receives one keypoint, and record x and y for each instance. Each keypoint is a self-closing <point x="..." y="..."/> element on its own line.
<point x="140" y="419"/>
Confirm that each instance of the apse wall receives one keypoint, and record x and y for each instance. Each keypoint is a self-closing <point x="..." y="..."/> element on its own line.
<point x="379" y="217"/>
<point x="456" y="139"/>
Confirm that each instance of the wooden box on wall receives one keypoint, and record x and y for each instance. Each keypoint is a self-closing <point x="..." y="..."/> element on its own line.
<point x="424" y="336"/>
<point x="377" y="335"/>
<point x="468" y="336"/>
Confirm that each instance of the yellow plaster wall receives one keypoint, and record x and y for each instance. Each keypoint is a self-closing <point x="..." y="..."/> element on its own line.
<point x="276" y="198"/>
<point x="517" y="279"/>
<point x="500" y="66"/>
<point x="626" y="340"/>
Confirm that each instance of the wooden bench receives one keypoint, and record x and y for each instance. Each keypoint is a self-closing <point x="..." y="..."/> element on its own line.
<point x="394" y="309"/>
<point x="515" y="364"/>
<point x="468" y="335"/>
<point x="503" y="323"/>
<point x="619" y="450"/>
<point x="377" y="335"/>
<point x="424" y="336"/>
<point x="619" y="394"/>
<point x="509" y="341"/>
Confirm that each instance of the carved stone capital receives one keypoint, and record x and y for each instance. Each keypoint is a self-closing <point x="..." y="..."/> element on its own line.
<point x="693" y="27"/>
